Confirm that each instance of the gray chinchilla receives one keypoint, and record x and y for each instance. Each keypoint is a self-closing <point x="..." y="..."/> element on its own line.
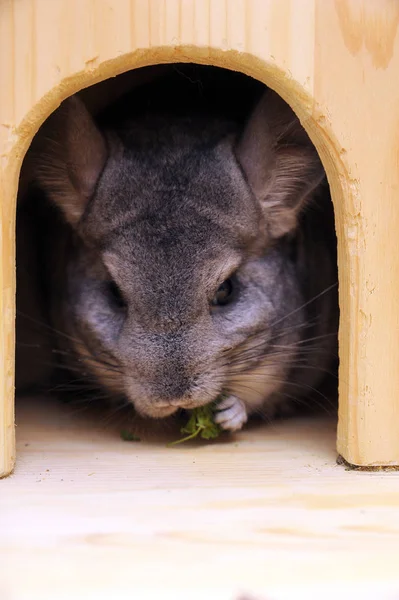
<point x="185" y="257"/>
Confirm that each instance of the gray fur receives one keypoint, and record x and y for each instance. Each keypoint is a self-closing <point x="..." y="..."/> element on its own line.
<point x="166" y="209"/>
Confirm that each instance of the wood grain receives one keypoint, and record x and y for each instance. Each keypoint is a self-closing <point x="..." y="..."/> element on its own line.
<point x="335" y="62"/>
<point x="266" y="513"/>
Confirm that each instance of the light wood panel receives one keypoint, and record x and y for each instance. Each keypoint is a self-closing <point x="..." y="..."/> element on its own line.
<point x="267" y="513"/>
<point x="335" y="62"/>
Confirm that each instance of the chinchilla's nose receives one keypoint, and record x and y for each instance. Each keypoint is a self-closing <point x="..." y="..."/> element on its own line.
<point x="174" y="389"/>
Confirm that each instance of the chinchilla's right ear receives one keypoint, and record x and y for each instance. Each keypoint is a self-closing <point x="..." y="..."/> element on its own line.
<point x="66" y="158"/>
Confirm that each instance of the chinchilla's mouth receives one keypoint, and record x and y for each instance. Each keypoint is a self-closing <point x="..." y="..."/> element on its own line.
<point x="160" y="412"/>
<point x="204" y="402"/>
<point x="166" y="409"/>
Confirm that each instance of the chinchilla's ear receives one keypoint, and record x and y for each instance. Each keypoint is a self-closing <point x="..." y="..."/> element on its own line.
<point x="280" y="162"/>
<point x="67" y="157"/>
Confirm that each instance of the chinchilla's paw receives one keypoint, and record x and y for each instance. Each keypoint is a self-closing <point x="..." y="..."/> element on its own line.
<point x="231" y="413"/>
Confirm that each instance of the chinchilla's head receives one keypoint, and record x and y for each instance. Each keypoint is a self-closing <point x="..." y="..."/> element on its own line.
<point x="180" y="283"/>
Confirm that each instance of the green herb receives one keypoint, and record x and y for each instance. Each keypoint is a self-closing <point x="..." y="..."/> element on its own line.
<point x="128" y="436"/>
<point x="201" y="424"/>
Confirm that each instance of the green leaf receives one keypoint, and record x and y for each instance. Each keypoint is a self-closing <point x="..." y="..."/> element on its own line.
<point x="210" y="432"/>
<point x="200" y="423"/>
<point x="128" y="436"/>
<point x="191" y="425"/>
<point x="185" y="439"/>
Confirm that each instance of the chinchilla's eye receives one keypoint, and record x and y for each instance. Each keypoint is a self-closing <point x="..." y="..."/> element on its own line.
<point x="116" y="295"/>
<point x="224" y="294"/>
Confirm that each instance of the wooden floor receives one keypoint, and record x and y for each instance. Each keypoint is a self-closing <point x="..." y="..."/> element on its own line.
<point x="267" y="514"/>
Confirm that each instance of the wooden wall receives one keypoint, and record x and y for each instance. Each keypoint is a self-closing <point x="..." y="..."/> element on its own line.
<point x="335" y="61"/>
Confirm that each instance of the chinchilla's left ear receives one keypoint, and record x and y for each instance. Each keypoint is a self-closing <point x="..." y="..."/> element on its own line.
<point x="280" y="162"/>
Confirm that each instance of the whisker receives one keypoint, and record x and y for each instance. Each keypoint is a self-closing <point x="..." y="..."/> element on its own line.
<point x="316" y="297"/>
<point x="54" y="330"/>
<point x="47" y="326"/>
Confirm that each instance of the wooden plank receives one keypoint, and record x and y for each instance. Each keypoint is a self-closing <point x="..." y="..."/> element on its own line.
<point x="334" y="62"/>
<point x="8" y="186"/>
<point x="267" y="513"/>
<point x="359" y="96"/>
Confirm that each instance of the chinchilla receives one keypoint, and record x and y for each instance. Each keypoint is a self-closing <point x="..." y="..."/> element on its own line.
<point x="183" y="258"/>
